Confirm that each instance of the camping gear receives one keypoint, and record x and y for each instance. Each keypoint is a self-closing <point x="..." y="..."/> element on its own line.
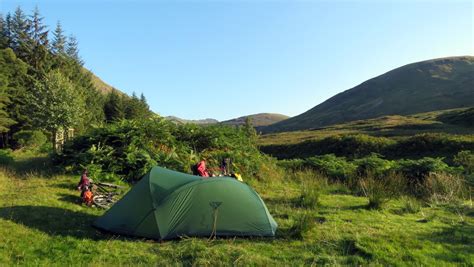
<point x="106" y="194"/>
<point x="166" y="204"/>
<point x="87" y="197"/>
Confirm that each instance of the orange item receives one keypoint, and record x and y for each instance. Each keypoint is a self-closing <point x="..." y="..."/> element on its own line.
<point x="87" y="197"/>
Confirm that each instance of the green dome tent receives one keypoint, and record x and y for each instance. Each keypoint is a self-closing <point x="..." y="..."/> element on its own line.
<point x="166" y="204"/>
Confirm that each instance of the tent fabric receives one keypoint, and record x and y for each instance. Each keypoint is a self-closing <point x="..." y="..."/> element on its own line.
<point x="166" y="204"/>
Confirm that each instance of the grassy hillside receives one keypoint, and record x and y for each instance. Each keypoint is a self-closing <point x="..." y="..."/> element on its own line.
<point x="41" y="223"/>
<point x="258" y="120"/>
<point x="415" y="88"/>
<point x="102" y="86"/>
<point x="453" y="121"/>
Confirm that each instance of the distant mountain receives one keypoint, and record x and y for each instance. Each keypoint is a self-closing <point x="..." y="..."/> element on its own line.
<point x="201" y="122"/>
<point x="425" y="86"/>
<point x="258" y="120"/>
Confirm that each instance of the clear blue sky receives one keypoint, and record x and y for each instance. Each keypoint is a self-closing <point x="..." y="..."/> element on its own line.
<point x="224" y="59"/>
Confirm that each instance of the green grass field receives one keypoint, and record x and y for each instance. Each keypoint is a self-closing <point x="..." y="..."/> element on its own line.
<point x="41" y="223"/>
<point x="394" y="126"/>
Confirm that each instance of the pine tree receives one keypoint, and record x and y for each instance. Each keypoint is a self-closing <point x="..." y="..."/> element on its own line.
<point x="114" y="109"/>
<point x="4" y="40"/>
<point x="13" y="82"/>
<point x="39" y="43"/>
<point x="72" y="49"/>
<point x="58" y="46"/>
<point x="144" y="102"/>
<point x="20" y="34"/>
<point x="39" y="31"/>
<point x="132" y="107"/>
<point x="5" y="120"/>
<point x="8" y="29"/>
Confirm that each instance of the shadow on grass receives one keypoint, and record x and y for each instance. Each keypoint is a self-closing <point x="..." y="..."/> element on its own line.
<point x="358" y="207"/>
<point x="284" y="201"/>
<point x="34" y="166"/>
<point x="54" y="221"/>
<point x="457" y="242"/>
<point x="75" y="199"/>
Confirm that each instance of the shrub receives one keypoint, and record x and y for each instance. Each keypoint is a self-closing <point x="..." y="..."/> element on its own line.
<point x="465" y="159"/>
<point x="353" y="145"/>
<point x="361" y="145"/>
<point x="128" y="149"/>
<point x="302" y="224"/>
<point x="330" y="165"/>
<point x="410" y="205"/>
<point x="430" y="144"/>
<point x="380" y="189"/>
<point x="292" y="164"/>
<point x="30" y="139"/>
<point x="373" y="164"/>
<point x="5" y="156"/>
<point x="445" y="188"/>
<point x="417" y="171"/>
<point x="310" y="193"/>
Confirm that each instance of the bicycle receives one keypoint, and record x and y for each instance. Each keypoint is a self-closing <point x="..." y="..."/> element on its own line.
<point x="104" y="198"/>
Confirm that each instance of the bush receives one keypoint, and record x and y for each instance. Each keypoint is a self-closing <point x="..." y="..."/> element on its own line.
<point x="310" y="190"/>
<point x="292" y="164"/>
<point x="5" y="156"/>
<point x="416" y="172"/>
<point x="302" y="224"/>
<point x="373" y="164"/>
<point x="445" y="188"/>
<point x="30" y="139"/>
<point x="128" y="149"/>
<point x="465" y="159"/>
<point x="352" y="146"/>
<point x="410" y="205"/>
<point x="380" y="189"/>
<point x="334" y="167"/>
<point x="361" y="145"/>
<point x="430" y="144"/>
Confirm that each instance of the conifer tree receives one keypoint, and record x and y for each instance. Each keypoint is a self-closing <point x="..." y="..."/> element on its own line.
<point x="114" y="107"/>
<point x="4" y="40"/>
<point x="38" y="58"/>
<point x="72" y="49"/>
<point x="144" y="102"/>
<point x="58" y="45"/>
<point x="39" y="31"/>
<point x="20" y="34"/>
<point x="5" y="120"/>
<point x="7" y="30"/>
<point x="13" y="81"/>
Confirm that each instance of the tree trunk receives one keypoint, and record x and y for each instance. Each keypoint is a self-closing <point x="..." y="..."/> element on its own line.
<point x="2" y="142"/>
<point x="53" y="139"/>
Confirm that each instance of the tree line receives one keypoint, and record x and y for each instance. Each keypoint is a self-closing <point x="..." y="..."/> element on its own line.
<point x="44" y="86"/>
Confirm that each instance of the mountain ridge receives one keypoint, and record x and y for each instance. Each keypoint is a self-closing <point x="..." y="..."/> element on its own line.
<point x="424" y="86"/>
<point x="257" y="120"/>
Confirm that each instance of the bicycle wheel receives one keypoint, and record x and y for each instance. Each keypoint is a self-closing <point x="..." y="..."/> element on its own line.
<point x="102" y="201"/>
